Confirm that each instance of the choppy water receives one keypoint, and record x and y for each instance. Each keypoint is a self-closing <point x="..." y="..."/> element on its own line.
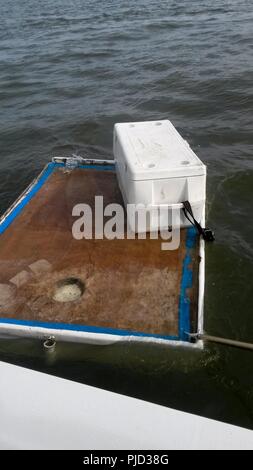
<point x="68" y="71"/>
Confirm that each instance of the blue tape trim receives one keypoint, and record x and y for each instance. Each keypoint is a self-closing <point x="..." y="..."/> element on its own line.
<point x="90" y="167"/>
<point x="31" y="193"/>
<point x="38" y="185"/>
<point x="186" y="283"/>
<point x="98" y="167"/>
<point x="86" y="329"/>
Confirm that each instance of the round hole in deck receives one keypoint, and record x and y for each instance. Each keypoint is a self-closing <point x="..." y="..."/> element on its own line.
<point x="158" y="123"/>
<point x="185" y="162"/>
<point x="68" y="290"/>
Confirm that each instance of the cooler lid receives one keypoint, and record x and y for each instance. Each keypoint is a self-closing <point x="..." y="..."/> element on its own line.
<point x="155" y="150"/>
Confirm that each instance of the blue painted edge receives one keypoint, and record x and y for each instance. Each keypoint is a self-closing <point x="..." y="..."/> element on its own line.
<point x="93" y="167"/>
<point x="86" y="329"/>
<point x="186" y="283"/>
<point x="49" y="169"/>
<point x="17" y="209"/>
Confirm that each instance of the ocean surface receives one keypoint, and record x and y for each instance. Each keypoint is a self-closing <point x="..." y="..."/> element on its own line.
<point x="68" y="71"/>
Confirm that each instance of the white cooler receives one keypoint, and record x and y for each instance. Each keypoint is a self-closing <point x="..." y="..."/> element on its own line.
<point x="157" y="168"/>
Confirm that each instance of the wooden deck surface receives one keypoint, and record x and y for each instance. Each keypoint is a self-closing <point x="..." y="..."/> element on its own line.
<point x="128" y="284"/>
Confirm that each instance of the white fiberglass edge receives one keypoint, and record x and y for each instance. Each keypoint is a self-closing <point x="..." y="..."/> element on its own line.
<point x="23" y="331"/>
<point x="201" y="297"/>
<point x="39" y="411"/>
